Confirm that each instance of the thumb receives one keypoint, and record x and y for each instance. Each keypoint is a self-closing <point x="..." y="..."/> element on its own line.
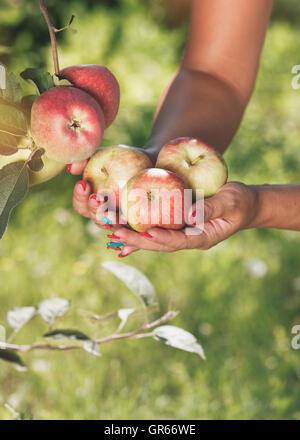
<point x="213" y="207"/>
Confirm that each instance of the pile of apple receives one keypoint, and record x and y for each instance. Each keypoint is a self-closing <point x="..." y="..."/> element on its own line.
<point x="148" y="196"/>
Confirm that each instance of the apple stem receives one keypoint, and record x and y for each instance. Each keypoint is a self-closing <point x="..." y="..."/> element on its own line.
<point x="51" y="28"/>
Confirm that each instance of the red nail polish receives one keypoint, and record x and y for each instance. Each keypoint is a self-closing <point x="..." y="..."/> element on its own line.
<point x="107" y="226"/>
<point x="68" y="169"/>
<point x="117" y="249"/>
<point x="114" y="236"/>
<point x="122" y="256"/>
<point x="145" y="234"/>
<point x="94" y="197"/>
<point x="82" y="183"/>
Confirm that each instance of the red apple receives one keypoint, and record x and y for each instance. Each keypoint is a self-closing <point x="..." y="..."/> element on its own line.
<point x="110" y="168"/>
<point x="197" y="163"/>
<point x="154" y="197"/>
<point x="99" y="82"/>
<point x="68" y="123"/>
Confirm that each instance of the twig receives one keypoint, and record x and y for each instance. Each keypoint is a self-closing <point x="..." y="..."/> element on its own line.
<point x="51" y="28"/>
<point x="139" y="333"/>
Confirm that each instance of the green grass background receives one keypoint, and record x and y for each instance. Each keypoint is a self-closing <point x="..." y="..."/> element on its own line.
<point x="242" y="318"/>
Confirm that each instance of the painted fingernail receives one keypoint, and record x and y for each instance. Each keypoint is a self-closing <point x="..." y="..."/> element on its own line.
<point x="107" y="227"/>
<point x="193" y="217"/>
<point x="81" y="185"/>
<point x="105" y="220"/>
<point x="123" y="256"/>
<point x="114" y="245"/>
<point x="145" y="234"/>
<point x="68" y="169"/>
<point x="94" y="198"/>
<point x="114" y="237"/>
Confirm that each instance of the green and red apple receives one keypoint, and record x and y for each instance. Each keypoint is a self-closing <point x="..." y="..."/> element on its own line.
<point x="100" y="83"/>
<point x="110" y="168"/>
<point x="154" y="197"/>
<point x="67" y="123"/>
<point x="198" y="164"/>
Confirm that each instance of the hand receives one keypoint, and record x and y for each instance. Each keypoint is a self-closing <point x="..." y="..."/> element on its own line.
<point x="87" y="204"/>
<point x="233" y="208"/>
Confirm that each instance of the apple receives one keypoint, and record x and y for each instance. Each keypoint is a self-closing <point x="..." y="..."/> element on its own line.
<point x="50" y="169"/>
<point x="154" y="197"/>
<point x="197" y="163"/>
<point x="67" y="123"/>
<point x="99" y="82"/>
<point x="110" y="168"/>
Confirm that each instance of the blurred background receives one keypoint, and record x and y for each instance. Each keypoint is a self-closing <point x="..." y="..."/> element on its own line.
<point x="239" y="299"/>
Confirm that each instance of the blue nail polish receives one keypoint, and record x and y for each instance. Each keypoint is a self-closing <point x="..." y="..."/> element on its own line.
<point x="113" y="245"/>
<point x="106" y="221"/>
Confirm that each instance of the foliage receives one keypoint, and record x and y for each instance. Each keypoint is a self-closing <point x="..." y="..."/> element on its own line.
<point x="240" y="299"/>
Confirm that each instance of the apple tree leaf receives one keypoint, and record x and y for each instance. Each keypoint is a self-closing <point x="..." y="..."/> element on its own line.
<point x="8" y="144"/>
<point x="12" y="120"/>
<point x="19" y="316"/>
<point x="51" y="309"/>
<point x="178" y="338"/>
<point x="13" y="188"/>
<point x="12" y="357"/>
<point x="35" y="161"/>
<point x="135" y="280"/>
<point x="73" y="335"/>
<point x="12" y="91"/>
<point x="41" y="79"/>
<point x="91" y="347"/>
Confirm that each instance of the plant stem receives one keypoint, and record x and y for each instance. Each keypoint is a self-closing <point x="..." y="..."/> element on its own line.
<point x="51" y="28"/>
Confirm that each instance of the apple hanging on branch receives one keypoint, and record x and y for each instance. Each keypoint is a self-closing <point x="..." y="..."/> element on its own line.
<point x="64" y="123"/>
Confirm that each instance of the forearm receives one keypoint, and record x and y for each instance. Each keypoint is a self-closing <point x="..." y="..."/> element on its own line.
<point x="199" y="105"/>
<point x="278" y="206"/>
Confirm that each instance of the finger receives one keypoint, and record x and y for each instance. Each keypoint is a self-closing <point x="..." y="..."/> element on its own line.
<point x="140" y="241"/>
<point x="77" y="167"/>
<point x="127" y="250"/>
<point x="214" y="207"/>
<point x="80" y="198"/>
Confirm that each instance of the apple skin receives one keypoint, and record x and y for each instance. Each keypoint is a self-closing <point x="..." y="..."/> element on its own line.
<point x="50" y="169"/>
<point x="99" y="82"/>
<point x="68" y="123"/>
<point x="151" y="181"/>
<point x="110" y="168"/>
<point x="197" y="163"/>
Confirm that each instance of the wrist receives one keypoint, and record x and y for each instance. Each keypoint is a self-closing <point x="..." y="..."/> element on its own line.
<point x="262" y="213"/>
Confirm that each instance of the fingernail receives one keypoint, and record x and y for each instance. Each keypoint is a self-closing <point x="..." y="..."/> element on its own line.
<point x="94" y="198"/>
<point x="81" y="185"/>
<point x="114" y="237"/>
<point x="105" y="220"/>
<point x="145" y="234"/>
<point x="68" y="169"/>
<point x="114" y="245"/>
<point x="193" y="217"/>
<point x="107" y="226"/>
<point x="117" y="249"/>
<point x="123" y="256"/>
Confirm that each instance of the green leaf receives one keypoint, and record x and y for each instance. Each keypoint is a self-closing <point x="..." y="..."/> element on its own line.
<point x="41" y="79"/>
<point x="12" y="357"/>
<point x="12" y="120"/>
<point x="67" y="334"/>
<point x="135" y="280"/>
<point x="8" y="144"/>
<point x="14" y="186"/>
<point x="12" y="91"/>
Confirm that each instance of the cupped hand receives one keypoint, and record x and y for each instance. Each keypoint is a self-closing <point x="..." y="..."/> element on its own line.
<point x="85" y="202"/>
<point x="233" y="208"/>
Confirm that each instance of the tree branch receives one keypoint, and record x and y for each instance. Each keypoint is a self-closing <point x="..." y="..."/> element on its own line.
<point x="141" y="332"/>
<point x="51" y="28"/>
